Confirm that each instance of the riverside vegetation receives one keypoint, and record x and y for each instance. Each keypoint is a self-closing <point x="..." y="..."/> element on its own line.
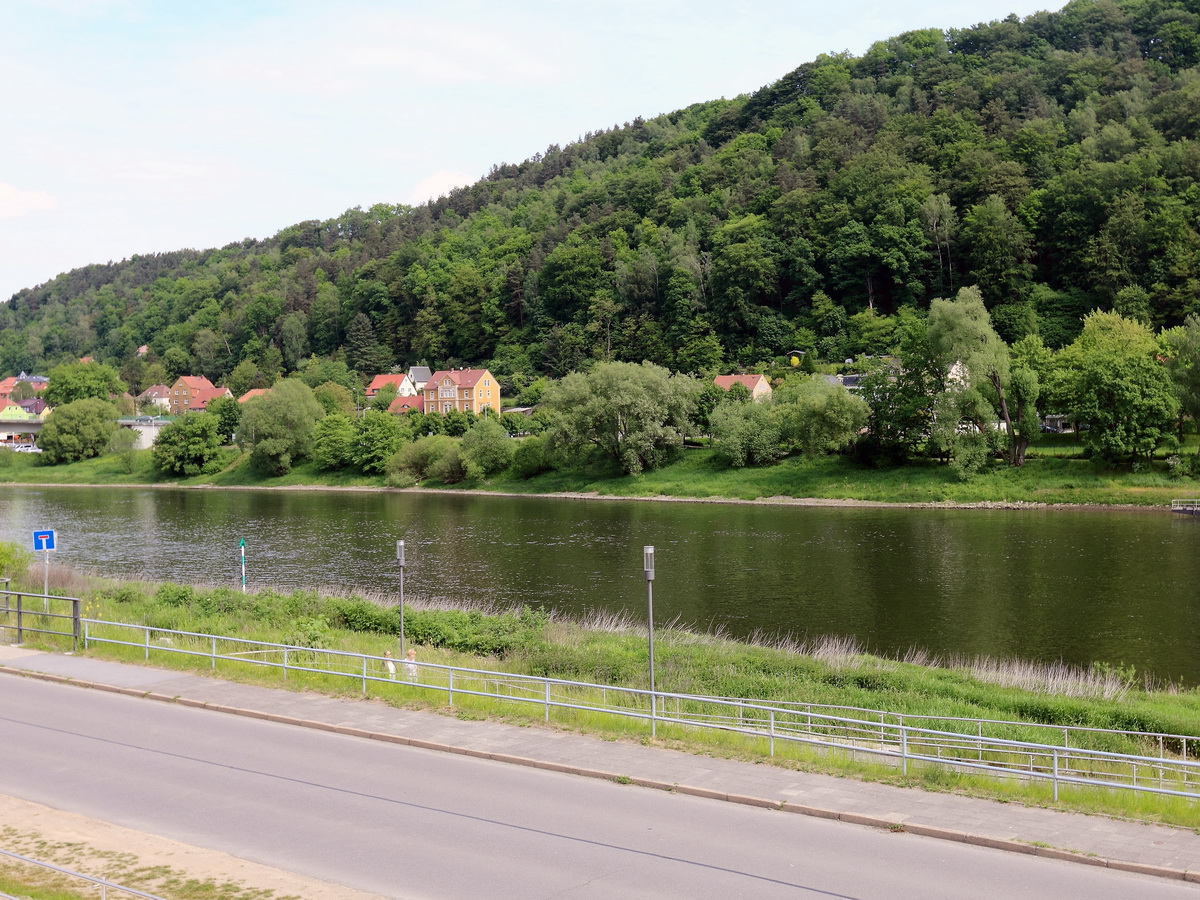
<point x="607" y="651"/>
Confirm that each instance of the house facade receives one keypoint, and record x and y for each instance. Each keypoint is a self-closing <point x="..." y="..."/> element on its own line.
<point x="156" y="395"/>
<point x="466" y="390"/>
<point x="192" y="393"/>
<point x="756" y="384"/>
<point x="404" y="385"/>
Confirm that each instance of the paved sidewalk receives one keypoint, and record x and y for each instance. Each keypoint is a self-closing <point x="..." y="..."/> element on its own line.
<point x="1094" y="840"/>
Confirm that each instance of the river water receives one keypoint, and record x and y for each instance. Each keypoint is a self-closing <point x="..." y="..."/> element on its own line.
<point x="1044" y="585"/>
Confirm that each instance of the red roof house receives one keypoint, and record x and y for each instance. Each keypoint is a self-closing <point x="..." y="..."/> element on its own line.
<point x="756" y="384"/>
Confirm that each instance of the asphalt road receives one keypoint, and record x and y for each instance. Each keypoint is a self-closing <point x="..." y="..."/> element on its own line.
<point x="403" y="822"/>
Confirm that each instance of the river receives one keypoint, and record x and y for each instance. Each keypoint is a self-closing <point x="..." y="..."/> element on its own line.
<point x="1044" y="585"/>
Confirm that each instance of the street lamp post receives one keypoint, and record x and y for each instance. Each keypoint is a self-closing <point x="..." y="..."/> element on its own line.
<point x="648" y="569"/>
<point x="400" y="560"/>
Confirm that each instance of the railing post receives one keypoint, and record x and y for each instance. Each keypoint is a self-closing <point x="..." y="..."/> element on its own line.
<point x="147" y="642"/>
<point x="903" y="750"/>
<point x="364" y="676"/>
<point x="285" y="663"/>
<point x="75" y="626"/>
<point x="772" y="732"/>
<point x="450" y="688"/>
<point x="1055" y="775"/>
<point x="547" y="717"/>
<point x="213" y="656"/>
<point x="20" y="616"/>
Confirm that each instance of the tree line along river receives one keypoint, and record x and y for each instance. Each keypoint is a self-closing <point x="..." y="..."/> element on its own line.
<point x="1045" y="585"/>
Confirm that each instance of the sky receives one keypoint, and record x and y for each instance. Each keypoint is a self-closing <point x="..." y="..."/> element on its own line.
<point x="139" y="126"/>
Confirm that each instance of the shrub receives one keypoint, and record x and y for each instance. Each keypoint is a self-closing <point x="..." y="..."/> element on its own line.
<point x="14" y="560"/>
<point x="452" y="467"/>
<point x="417" y="458"/>
<point x="531" y="457"/>
<point x="174" y="595"/>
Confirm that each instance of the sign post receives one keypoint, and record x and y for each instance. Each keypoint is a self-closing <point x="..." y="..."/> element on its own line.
<point x="44" y="541"/>
<point x="400" y="560"/>
<point x="242" y="545"/>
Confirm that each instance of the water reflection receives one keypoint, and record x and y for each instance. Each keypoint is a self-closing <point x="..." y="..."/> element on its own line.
<point x="1047" y="585"/>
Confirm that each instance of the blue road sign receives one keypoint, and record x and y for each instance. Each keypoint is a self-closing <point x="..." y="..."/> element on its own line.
<point x="43" y="540"/>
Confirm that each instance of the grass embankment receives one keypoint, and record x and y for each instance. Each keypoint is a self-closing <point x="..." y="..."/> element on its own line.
<point x="1050" y="476"/>
<point x="533" y="643"/>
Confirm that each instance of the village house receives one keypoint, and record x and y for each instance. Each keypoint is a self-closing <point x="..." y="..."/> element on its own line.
<point x="402" y="405"/>
<point x="756" y="384"/>
<point x="466" y="390"/>
<point x="404" y="385"/>
<point x="156" y="395"/>
<point x="192" y="393"/>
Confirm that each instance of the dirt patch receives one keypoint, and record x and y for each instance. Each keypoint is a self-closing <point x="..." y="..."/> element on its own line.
<point x="147" y="862"/>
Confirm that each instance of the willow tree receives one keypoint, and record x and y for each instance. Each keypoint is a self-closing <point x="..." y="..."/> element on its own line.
<point x="967" y="345"/>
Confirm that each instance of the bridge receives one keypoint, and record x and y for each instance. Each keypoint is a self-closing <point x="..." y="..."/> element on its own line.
<point x="20" y="426"/>
<point x="145" y="426"/>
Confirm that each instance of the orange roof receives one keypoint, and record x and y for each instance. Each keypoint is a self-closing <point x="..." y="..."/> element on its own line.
<point x="381" y="381"/>
<point x="201" y="396"/>
<point x="750" y="382"/>
<point x="195" y="382"/>
<point x="464" y="378"/>
<point x="402" y="405"/>
<point x="252" y="393"/>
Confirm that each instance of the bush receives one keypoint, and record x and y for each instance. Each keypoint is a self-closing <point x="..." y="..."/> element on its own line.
<point x="14" y="560"/>
<point x="487" y="448"/>
<point x="452" y="467"/>
<point x="417" y="458"/>
<point x="531" y="457"/>
<point x="355" y="614"/>
<point x="175" y="595"/>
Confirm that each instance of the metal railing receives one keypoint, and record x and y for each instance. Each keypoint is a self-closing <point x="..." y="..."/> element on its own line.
<point x="104" y="884"/>
<point x="19" y="616"/>
<point x="967" y="745"/>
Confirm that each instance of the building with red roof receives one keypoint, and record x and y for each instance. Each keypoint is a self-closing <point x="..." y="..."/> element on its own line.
<point x="404" y="384"/>
<point x="401" y="405"/>
<point x="756" y="384"/>
<point x="192" y="393"/>
<point x="467" y="390"/>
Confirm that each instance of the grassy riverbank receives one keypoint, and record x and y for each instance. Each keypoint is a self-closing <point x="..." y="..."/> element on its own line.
<point x="699" y="474"/>
<point x="614" y="653"/>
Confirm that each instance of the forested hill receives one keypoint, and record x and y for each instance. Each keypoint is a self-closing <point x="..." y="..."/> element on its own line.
<point x="1053" y="161"/>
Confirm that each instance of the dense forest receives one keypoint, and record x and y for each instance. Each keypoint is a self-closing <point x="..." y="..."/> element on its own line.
<point x="1051" y="161"/>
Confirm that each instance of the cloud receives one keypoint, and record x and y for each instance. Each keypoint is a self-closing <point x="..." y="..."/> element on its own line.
<point x="15" y="202"/>
<point x="438" y="184"/>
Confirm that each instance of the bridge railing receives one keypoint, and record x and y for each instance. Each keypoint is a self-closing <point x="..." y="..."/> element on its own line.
<point x="1157" y="763"/>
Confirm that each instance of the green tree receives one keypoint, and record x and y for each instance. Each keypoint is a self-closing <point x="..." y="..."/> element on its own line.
<point x="637" y="415"/>
<point x="333" y="441"/>
<point x="277" y="427"/>
<point x="334" y="398"/>
<point x="123" y="445"/>
<point x="78" y="381"/>
<point x="487" y="449"/>
<point x="747" y="434"/>
<point x="77" y="430"/>
<point x="816" y="416"/>
<point x="1127" y="401"/>
<point x="229" y="415"/>
<point x="961" y="334"/>
<point x="189" y="446"/>
<point x="377" y="438"/>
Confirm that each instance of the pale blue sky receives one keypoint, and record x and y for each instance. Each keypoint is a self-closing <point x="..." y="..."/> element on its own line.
<point x="137" y="126"/>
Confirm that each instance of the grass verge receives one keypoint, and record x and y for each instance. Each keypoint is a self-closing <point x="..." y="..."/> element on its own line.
<point x="612" y="653"/>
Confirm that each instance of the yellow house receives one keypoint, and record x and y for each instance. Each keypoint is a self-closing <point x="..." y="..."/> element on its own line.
<point x="467" y="390"/>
